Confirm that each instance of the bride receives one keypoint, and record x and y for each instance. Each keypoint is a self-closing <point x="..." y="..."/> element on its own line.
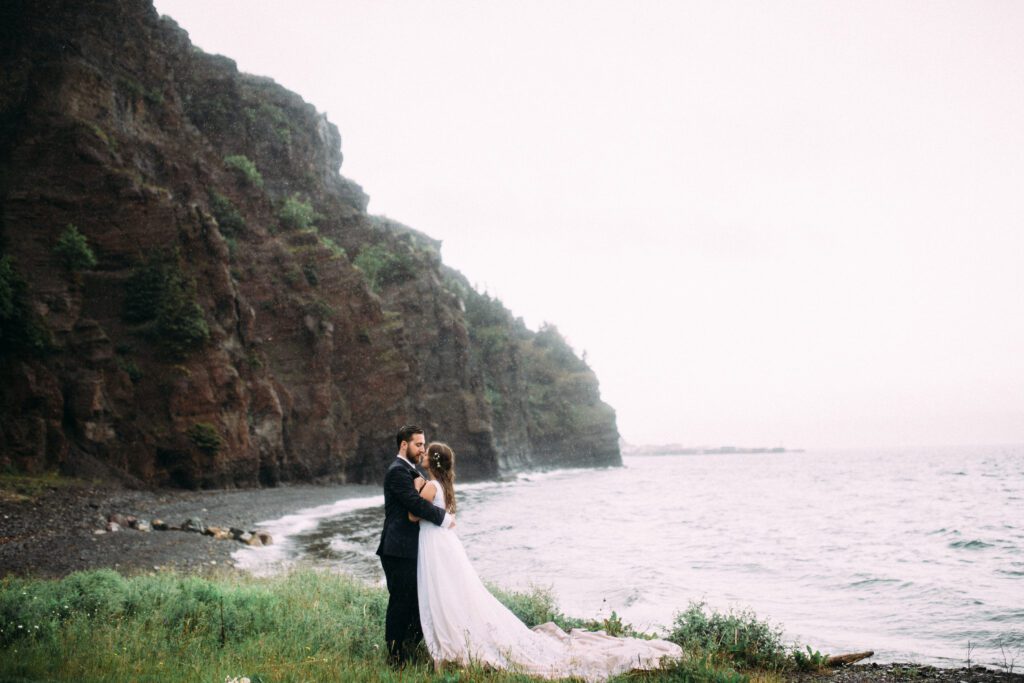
<point x="463" y="623"/>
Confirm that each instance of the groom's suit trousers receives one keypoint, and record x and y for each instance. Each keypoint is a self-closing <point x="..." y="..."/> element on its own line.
<point x="402" y="624"/>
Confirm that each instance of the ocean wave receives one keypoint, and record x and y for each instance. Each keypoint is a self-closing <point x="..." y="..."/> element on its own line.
<point x="273" y="558"/>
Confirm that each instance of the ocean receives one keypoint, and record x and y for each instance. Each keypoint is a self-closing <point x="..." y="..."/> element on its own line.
<point x="917" y="554"/>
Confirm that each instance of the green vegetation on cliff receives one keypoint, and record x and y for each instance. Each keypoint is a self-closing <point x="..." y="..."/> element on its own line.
<point x="383" y="266"/>
<point x="244" y="169"/>
<point x="73" y="249"/>
<point x="21" y="331"/>
<point x="228" y="218"/>
<point x="306" y="626"/>
<point x="159" y="292"/>
<point x="536" y="385"/>
<point x="297" y="214"/>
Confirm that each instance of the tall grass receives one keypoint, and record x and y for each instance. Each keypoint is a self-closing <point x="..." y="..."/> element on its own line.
<point x="303" y="626"/>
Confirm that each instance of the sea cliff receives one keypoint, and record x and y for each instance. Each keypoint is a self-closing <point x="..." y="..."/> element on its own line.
<point x="192" y="295"/>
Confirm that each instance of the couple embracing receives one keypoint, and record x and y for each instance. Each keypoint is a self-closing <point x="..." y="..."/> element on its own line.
<point x="436" y="595"/>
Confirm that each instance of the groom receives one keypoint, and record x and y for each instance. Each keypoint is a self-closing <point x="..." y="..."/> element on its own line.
<point x="399" y="542"/>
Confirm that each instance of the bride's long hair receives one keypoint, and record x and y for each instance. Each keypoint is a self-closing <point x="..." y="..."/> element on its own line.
<point x="441" y="463"/>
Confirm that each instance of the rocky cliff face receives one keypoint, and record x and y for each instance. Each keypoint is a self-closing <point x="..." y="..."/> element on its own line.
<point x="243" y="320"/>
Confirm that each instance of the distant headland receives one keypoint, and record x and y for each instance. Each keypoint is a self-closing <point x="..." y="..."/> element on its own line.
<point x="677" y="449"/>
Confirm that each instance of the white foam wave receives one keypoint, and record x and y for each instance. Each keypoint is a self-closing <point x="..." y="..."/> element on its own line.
<point x="275" y="558"/>
<point x="341" y="545"/>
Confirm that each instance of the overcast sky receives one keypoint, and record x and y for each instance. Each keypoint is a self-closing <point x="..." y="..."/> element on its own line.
<point x="766" y="223"/>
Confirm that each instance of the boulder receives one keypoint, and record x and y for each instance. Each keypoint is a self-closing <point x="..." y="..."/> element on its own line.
<point x="265" y="538"/>
<point x="254" y="541"/>
<point x="113" y="526"/>
<point x="143" y="525"/>
<point x="192" y="524"/>
<point x="160" y="525"/>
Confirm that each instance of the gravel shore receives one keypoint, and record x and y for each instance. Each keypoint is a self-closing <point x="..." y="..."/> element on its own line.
<point x="53" y="532"/>
<point x="893" y="673"/>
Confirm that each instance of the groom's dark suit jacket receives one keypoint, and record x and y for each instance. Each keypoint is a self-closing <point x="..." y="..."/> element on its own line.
<point x="400" y="537"/>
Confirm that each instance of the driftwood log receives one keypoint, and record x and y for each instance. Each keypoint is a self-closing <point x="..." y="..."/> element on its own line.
<point x="841" y="660"/>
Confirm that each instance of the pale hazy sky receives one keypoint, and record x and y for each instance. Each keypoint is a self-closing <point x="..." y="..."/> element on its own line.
<point x="766" y="223"/>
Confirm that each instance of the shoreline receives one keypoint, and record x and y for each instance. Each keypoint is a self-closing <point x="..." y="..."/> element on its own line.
<point x="52" y="534"/>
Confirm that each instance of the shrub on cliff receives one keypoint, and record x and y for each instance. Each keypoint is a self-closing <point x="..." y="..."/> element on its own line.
<point x="144" y="290"/>
<point x="269" y="119"/>
<point x="382" y="266"/>
<point x="20" y="328"/>
<point x="230" y="221"/>
<point x="159" y="292"/>
<point x="206" y="438"/>
<point x="244" y="169"/>
<point x="180" y="324"/>
<point x="297" y="214"/>
<point x="73" y="250"/>
<point x="557" y="349"/>
<point x="337" y="251"/>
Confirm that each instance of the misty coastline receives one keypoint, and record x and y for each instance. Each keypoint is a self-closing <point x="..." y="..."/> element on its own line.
<point x="677" y="449"/>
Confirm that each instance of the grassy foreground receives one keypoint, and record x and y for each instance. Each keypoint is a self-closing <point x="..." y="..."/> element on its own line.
<point x="303" y="626"/>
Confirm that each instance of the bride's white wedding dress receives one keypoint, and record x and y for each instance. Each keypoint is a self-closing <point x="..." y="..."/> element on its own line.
<point x="462" y="622"/>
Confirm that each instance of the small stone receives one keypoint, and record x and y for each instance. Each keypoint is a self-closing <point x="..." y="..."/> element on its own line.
<point x="211" y="530"/>
<point x="132" y="521"/>
<point x="265" y="537"/>
<point x="192" y="524"/>
<point x="118" y="519"/>
<point x="113" y="526"/>
<point x="245" y="537"/>
<point x="143" y="525"/>
<point x="236" y="533"/>
<point x="222" y="535"/>
<point x="99" y="532"/>
<point x="160" y="525"/>
<point x="255" y="541"/>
